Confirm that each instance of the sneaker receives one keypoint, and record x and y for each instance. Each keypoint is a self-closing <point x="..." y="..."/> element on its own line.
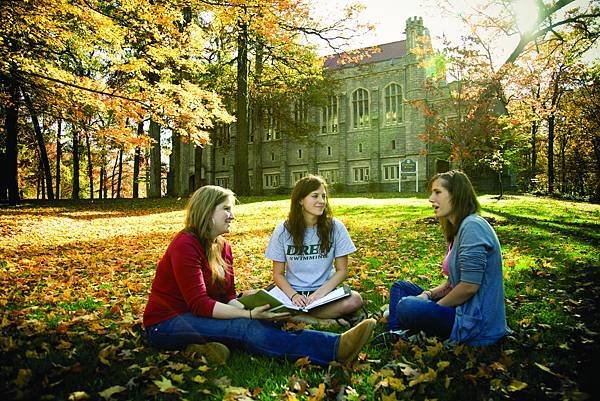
<point x="352" y="340"/>
<point x="213" y="352"/>
<point x="389" y="338"/>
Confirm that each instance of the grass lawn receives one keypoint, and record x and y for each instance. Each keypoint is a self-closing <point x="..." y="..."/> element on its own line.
<point x="74" y="278"/>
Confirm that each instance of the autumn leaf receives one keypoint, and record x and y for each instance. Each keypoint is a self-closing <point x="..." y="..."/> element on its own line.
<point x="78" y="396"/>
<point x="546" y="369"/>
<point x="516" y="385"/>
<point x="166" y="386"/>
<point x="177" y="378"/>
<point x="389" y="397"/>
<point x="317" y="394"/>
<point x="301" y="362"/>
<point x="424" y="377"/>
<point x="23" y="377"/>
<point x="396" y="384"/>
<point x="236" y="394"/>
<point x="107" y="353"/>
<point x="297" y="385"/>
<point x="109" y="392"/>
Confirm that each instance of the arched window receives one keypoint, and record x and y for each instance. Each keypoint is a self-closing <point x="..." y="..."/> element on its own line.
<point x="393" y="104"/>
<point x="329" y="116"/>
<point x="360" y="108"/>
<point x="300" y="112"/>
<point x="272" y="129"/>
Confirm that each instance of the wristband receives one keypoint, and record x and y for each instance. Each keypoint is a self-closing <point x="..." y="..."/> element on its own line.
<point x="293" y="295"/>
<point x="428" y="293"/>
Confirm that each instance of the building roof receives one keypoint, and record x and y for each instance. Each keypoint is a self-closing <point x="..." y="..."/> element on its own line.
<point x="374" y="54"/>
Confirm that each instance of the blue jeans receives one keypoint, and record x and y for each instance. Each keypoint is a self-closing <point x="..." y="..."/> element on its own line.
<point x="255" y="336"/>
<point x="415" y="314"/>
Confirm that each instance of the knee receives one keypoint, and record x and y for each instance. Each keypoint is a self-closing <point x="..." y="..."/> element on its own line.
<point x="353" y="303"/>
<point x="399" y="286"/>
<point x="407" y="306"/>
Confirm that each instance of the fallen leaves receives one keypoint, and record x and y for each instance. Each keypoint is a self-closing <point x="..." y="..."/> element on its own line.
<point x="73" y="286"/>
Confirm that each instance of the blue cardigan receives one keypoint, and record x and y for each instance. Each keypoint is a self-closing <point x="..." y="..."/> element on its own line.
<point x="476" y="258"/>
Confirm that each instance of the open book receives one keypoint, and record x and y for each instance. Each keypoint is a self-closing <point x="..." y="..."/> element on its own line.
<point x="281" y="303"/>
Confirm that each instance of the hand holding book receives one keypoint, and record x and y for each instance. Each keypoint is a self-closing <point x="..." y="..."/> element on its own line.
<point x="264" y="313"/>
<point x="279" y="301"/>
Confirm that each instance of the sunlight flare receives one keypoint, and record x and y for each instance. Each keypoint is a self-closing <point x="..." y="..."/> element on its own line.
<point x="526" y="13"/>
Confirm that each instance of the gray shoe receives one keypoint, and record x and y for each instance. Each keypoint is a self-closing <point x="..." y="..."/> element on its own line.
<point x="389" y="338"/>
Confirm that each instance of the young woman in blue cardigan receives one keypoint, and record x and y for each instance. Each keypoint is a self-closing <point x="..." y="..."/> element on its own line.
<point x="469" y="306"/>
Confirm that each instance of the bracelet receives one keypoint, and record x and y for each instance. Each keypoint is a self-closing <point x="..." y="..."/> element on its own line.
<point x="292" y="297"/>
<point x="250" y="310"/>
<point x="428" y="293"/>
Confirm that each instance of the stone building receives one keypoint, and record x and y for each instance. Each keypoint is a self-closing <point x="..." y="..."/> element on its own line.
<point x="367" y="134"/>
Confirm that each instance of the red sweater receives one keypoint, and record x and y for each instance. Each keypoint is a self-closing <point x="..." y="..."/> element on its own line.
<point x="183" y="282"/>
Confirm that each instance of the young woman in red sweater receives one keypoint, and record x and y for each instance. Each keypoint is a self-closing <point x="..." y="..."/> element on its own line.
<point x="193" y="298"/>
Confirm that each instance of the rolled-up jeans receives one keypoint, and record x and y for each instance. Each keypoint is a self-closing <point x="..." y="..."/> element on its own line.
<point x="409" y="312"/>
<point x="255" y="336"/>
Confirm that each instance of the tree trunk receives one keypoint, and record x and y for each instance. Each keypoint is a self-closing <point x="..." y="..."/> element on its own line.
<point x="175" y="166"/>
<point x="534" y="129"/>
<point x="596" y="143"/>
<point x="258" y="123"/>
<point x="112" y="178"/>
<point x="10" y="128"/>
<point x="551" y="153"/>
<point x="213" y="161"/>
<point x="563" y="164"/>
<point x="90" y="167"/>
<point x="3" y="178"/>
<point x="198" y="181"/>
<point x="39" y="137"/>
<point x="136" y="163"/>
<point x="501" y="185"/>
<point x="120" y="173"/>
<point x="102" y="177"/>
<point x="154" y="182"/>
<point x="240" y="176"/>
<point x="58" y="156"/>
<point x="556" y="95"/>
<point x="39" y="182"/>
<point x="75" y="193"/>
<point x="101" y="181"/>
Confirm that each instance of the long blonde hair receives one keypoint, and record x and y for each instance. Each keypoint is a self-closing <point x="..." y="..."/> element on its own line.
<point x="198" y="221"/>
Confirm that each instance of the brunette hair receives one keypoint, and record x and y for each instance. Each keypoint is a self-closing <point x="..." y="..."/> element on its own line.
<point x="198" y="221"/>
<point x="295" y="221"/>
<point x="462" y="198"/>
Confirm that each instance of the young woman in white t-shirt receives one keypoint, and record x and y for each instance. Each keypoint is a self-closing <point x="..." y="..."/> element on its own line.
<point x="310" y="252"/>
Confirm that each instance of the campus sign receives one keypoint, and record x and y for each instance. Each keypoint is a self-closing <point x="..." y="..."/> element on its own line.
<point x="408" y="167"/>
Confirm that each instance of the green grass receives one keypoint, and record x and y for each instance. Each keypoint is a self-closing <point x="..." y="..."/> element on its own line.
<point x="74" y="278"/>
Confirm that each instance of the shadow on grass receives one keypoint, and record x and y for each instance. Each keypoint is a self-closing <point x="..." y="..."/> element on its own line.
<point x="586" y="232"/>
<point x="86" y="209"/>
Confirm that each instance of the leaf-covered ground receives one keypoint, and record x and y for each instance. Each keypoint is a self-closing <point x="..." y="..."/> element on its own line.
<point x="74" y="279"/>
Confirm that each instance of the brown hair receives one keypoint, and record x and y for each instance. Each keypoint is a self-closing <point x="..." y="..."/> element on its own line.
<point x="295" y="221"/>
<point x="198" y="221"/>
<point x="462" y="198"/>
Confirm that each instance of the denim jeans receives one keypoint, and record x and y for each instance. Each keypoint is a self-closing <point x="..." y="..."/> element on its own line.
<point x="255" y="336"/>
<point x="415" y="314"/>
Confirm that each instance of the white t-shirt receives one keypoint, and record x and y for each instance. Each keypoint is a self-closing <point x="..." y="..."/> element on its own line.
<point x="307" y="268"/>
